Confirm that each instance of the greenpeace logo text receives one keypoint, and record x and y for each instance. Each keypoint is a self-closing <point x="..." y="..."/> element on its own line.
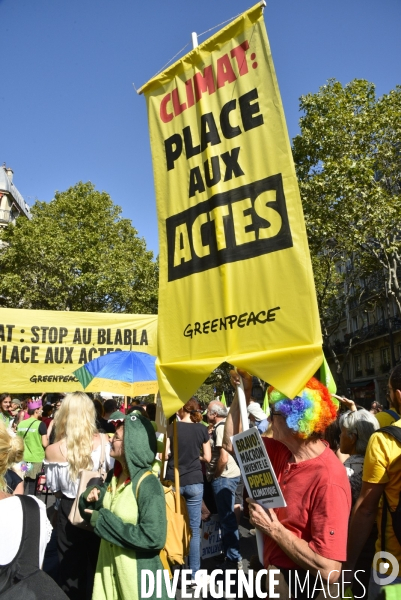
<point x="53" y="379"/>
<point x="225" y="323"/>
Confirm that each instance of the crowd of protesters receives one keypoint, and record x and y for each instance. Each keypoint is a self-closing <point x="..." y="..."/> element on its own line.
<point x="338" y="469"/>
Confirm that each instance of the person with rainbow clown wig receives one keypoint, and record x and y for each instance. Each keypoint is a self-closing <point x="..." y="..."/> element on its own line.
<point x="308" y="537"/>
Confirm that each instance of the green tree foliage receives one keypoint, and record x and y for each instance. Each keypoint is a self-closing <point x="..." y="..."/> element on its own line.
<point x="205" y="393"/>
<point x="217" y="383"/>
<point x="348" y="162"/>
<point x="77" y="253"/>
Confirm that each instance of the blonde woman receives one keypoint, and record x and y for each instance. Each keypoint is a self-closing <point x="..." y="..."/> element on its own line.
<point x="77" y="447"/>
<point x="11" y="452"/>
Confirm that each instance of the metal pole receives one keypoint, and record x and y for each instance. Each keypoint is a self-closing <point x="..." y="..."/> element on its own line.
<point x="176" y="471"/>
<point x="194" y="37"/>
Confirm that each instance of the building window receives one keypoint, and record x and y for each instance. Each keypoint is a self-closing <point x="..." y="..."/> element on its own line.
<point x="370" y="363"/>
<point x="386" y="361"/>
<point x="358" y="365"/>
<point x="354" y="324"/>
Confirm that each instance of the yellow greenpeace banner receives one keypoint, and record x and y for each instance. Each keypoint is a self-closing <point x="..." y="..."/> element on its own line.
<point x="40" y="349"/>
<point x="236" y="281"/>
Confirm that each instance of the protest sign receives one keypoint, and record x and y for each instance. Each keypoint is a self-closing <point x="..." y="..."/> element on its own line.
<point x="257" y="472"/>
<point x="40" y="349"/>
<point x="236" y="281"/>
<point x="211" y="544"/>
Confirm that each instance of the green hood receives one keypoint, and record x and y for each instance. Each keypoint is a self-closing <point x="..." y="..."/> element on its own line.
<point x="140" y="446"/>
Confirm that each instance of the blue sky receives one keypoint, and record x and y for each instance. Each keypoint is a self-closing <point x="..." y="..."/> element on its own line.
<point x="69" y="111"/>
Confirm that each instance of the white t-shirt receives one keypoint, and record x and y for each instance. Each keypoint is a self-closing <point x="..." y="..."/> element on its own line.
<point x="58" y="474"/>
<point x="11" y="529"/>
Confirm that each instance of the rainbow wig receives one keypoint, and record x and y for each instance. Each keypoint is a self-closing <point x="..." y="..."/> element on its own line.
<point x="308" y="414"/>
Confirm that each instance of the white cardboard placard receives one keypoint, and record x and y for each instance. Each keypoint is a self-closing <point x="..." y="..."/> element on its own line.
<point x="211" y="544"/>
<point x="257" y="471"/>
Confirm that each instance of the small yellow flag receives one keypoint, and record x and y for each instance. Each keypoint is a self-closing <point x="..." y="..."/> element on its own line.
<point x="223" y="399"/>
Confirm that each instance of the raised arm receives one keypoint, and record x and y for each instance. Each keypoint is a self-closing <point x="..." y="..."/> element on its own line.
<point x="233" y="421"/>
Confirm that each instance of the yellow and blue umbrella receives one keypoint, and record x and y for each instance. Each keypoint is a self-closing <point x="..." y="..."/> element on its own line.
<point x="122" y="372"/>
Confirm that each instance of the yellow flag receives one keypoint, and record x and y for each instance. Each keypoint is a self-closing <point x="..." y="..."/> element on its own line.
<point x="40" y="349"/>
<point x="236" y="281"/>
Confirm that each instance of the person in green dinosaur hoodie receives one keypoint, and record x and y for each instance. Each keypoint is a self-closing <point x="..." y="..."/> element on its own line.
<point x="128" y="512"/>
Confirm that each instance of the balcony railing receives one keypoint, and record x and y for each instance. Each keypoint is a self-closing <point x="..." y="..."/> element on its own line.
<point x="367" y="333"/>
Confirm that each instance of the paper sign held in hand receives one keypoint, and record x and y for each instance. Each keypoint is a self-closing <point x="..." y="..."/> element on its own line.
<point x="256" y="469"/>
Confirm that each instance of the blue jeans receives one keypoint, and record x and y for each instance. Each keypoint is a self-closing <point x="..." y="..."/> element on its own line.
<point x="224" y="494"/>
<point x="193" y="495"/>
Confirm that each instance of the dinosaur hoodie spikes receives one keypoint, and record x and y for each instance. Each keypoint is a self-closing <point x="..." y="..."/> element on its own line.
<point x="140" y="446"/>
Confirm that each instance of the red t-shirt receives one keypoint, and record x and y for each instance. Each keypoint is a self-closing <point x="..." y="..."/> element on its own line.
<point x="318" y="497"/>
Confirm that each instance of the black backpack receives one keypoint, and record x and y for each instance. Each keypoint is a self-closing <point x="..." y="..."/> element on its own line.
<point x="214" y="434"/>
<point x="22" y="577"/>
<point x="395" y="515"/>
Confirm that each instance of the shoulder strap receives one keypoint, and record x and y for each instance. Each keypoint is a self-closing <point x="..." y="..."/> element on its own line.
<point x="29" y="550"/>
<point x="392" y="413"/>
<point x="14" y="577"/>
<point x="391" y="430"/>
<point x="28" y="429"/>
<point x="140" y="480"/>
<point x="214" y="430"/>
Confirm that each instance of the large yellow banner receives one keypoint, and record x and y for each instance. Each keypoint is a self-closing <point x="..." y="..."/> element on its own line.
<point x="236" y="281"/>
<point x="40" y="349"/>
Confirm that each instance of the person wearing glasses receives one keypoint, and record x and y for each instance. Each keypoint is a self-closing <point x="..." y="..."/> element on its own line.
<point x="309" y="535"/>
<point x="128" y="513"/>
